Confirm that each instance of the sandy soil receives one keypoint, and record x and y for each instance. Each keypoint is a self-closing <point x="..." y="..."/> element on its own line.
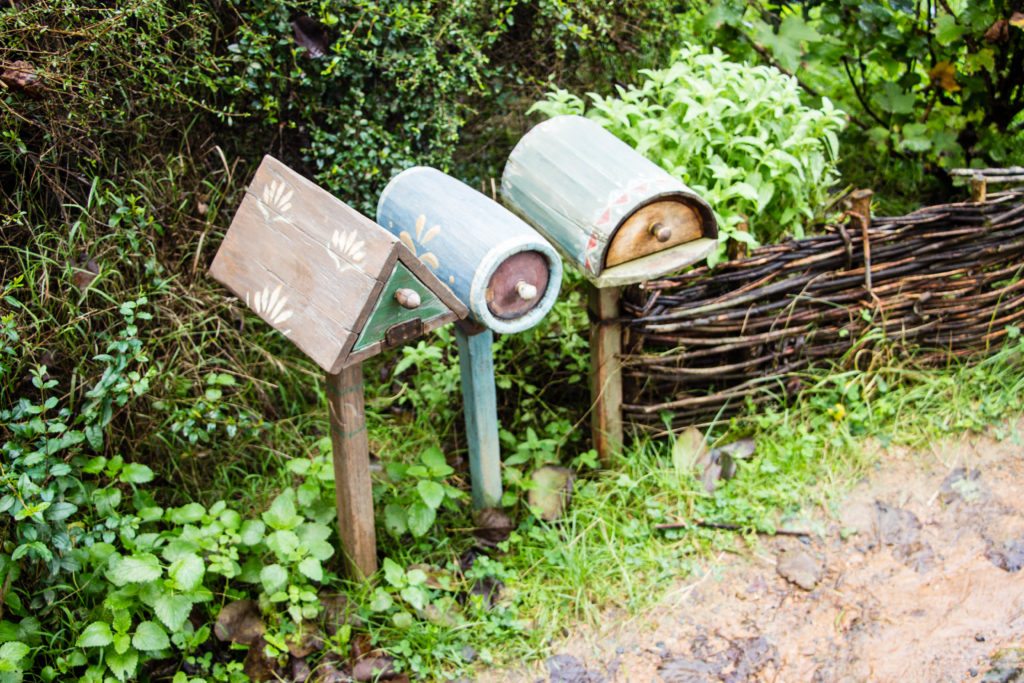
<point x="915" y="580"/>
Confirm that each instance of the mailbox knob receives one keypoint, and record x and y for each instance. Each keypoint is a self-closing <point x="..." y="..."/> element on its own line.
<point x="526" y="291"/>
<point x="407" y="298"/>
<point x="661" y="232"/>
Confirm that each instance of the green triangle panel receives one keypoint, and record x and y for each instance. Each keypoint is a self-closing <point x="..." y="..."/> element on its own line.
<point x="388" y="312"/>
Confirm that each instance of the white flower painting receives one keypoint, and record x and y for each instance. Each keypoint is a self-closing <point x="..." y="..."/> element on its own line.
<point x="271" y="306"/>
<point x="278" y="196"/>
<point x="423" y="238"/>
<point x="349" y="245"/>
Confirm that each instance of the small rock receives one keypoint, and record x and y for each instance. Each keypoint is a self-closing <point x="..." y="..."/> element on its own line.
<point x="568" y="669"/>
<point x="1009" y="557"/>
<point x="800" y="567"/>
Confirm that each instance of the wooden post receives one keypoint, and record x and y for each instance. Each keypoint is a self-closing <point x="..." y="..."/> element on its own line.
<point x="480" y="405"/>
<point x="861" y="210"/>
<point x="352" y="487"/>
<point x="979" y="188"/>
<point x="605" y="371"/>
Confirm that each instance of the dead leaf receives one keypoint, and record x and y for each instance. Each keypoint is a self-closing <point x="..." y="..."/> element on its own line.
<point x="307" y="641"/>
<point x="328" y="673"/>
<point x="1017" y="19"/>
<point x="374" y="669"/>
<point x="300" y="670"/>
<point x="998" y="32"/>
<point x="258" y="666"/>
<point x="21" y="76"/>
<point x="310" y="34"/>
<point x="84" y="271"/>
<point x="727" y="455"/>
<point x="492" y="527"/>
<point x="240" y="622"/>
<point x="551" y="492"/>
<point x="689" y="451"/>
<point x="943" y="74"/>
<point x="338" y="611"/>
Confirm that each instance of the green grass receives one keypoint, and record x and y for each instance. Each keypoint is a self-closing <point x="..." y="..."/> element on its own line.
<point x="605" y="554"/>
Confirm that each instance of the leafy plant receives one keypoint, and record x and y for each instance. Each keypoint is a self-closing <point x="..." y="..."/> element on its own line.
<point x="417" y="491"/>
<point x="928" y="85"/>
<point x="737" y="134"/>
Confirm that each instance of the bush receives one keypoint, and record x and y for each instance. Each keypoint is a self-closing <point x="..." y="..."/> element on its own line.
<point x="737" y="134"/>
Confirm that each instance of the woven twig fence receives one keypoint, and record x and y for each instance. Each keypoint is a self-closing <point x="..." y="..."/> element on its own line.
<point x="945" y="279"/>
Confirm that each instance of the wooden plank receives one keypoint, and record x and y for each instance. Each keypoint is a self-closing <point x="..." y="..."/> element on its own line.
<point x="293" y="312"/>
<point x="606" y="372"/>
<point x="352" y="486"/>
<point x="655" y="265"/>
<point x="480" y="407"/>
<point x="355" y="239"/>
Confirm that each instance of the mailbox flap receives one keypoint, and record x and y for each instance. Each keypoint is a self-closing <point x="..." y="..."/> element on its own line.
<point x="389" y="310"/>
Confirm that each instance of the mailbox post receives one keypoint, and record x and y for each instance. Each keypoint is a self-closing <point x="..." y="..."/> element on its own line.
<point x="506" y="274"/>
<point x="616" y="215"/>
<point x="343" y="290"/>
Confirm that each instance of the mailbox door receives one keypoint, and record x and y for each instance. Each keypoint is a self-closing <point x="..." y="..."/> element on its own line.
<point x="656" y="227"/>
<point x="391" y="323"/>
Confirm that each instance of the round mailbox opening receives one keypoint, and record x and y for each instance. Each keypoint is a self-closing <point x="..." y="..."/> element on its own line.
<point x="654" y="227"/>
<point x="518" y="284"/>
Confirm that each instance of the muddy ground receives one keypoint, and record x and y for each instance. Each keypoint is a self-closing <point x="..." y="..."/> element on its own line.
<point x="916" y="579"/>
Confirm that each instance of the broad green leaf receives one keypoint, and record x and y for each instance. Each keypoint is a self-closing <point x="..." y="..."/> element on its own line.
<point x="187" y="572"/>
<point x="96" y="634"/>
<point x="187" y="514"/>
<point x="283" y="544"/>
<point x="312" y="569"/>
<point x="123" y="665"/>
<point x="136" y="473"/>
<point x="393" y="572"/>
<point x="172" y="610"/>
<point x="434" y="459"/>
<point x="394" y="519"/>
<point x="281" y="515"/>
<point x="252" y="531"/>
<point x="431" y="492"/>
<point x="140" y="568"/>
<point x="415" y="596"/>
<point x="274" y="577"/>
<point x="381" y="601"/>
<point x="891" y="97"/>
<point x="420" y="518"/>
<point x="947" y="31"/>
<point x="14" y="651"/>
<point x="150" y="636"/>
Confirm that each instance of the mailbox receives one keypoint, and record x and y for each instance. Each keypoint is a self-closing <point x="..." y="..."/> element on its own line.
<point x="615" y="214"/>
<point x="620" y="218"/>
<point x="502" y="270"/>
<point x="499" y="267"/>
<point x="342" y="289"/>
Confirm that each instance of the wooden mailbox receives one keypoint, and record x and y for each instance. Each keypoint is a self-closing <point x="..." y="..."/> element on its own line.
<point x="342" y="289"/>
<point x="616" y="215"/>
<point x="498" y="266"/>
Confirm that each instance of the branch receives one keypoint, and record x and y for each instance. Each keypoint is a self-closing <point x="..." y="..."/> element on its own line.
<point x="860" y="95"/>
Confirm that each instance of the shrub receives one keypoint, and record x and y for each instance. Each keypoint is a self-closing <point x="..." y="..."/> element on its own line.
<point x="737" y="134"/>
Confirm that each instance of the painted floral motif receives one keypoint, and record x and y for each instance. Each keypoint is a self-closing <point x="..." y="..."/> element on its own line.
<point x="423" y="238"/>
<point x="271" y="306"/>
<point x="349" y="245"/>
<point x="278" y="197"/>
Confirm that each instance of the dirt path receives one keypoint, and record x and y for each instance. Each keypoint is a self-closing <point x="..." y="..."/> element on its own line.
<point x="916" y="580"/>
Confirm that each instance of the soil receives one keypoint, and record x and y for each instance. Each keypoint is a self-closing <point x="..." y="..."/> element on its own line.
<point x="915" y="579"/>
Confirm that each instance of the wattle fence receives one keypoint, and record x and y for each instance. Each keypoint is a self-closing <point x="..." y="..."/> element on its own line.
<point x="945" y="281"/>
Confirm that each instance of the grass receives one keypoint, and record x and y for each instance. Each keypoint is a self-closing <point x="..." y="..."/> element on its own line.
<point x="605" y="554"/>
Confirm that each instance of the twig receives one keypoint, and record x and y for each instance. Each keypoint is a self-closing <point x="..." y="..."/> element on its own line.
<point x="727" y="526"/>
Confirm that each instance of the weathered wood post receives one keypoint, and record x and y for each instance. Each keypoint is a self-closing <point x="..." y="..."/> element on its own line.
<point x="499" y="267"/>
<point x="620" y="218"/>
<point x="343" y="290"/>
